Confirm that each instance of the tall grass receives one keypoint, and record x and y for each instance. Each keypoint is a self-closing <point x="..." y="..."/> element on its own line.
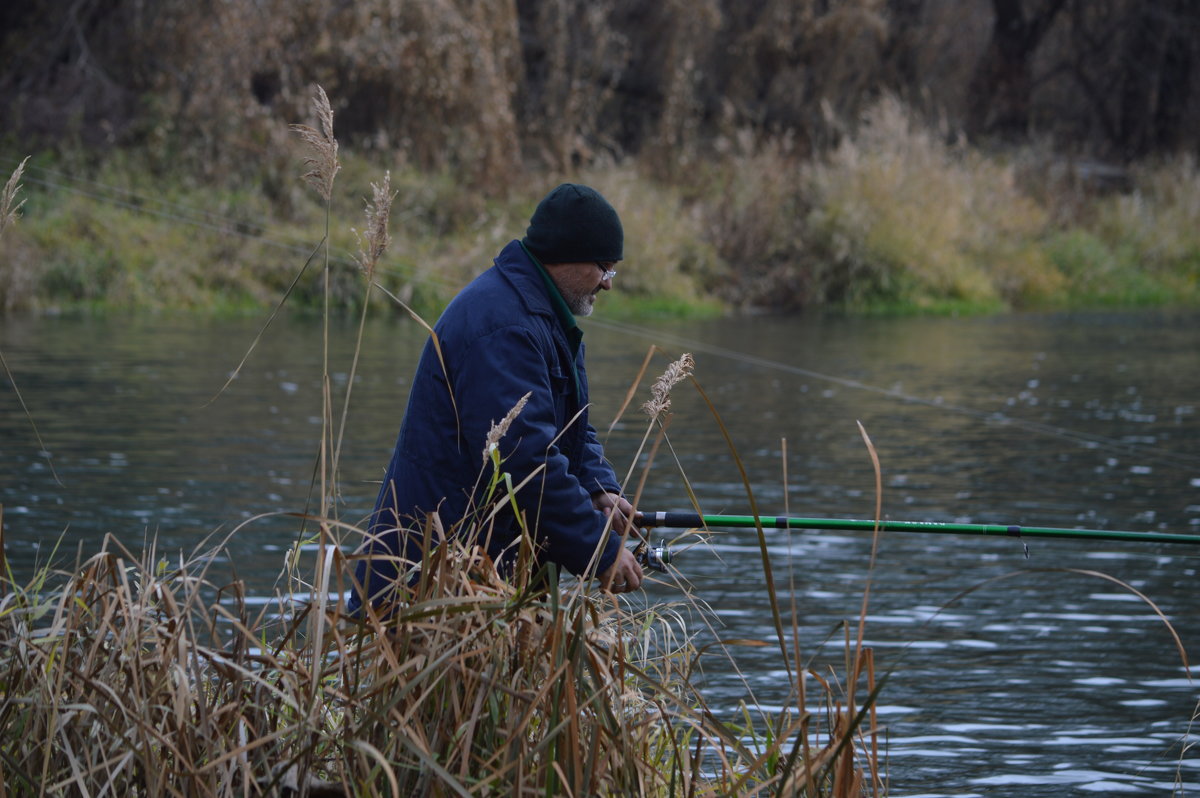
<point x="10" y="206"/>
<point x="128" y="676"/>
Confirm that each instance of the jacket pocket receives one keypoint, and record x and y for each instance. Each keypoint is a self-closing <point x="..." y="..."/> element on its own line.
<point x="562" y="386"/>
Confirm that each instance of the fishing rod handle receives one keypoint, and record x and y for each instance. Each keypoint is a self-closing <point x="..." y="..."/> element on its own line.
<point x="669" y="520"/>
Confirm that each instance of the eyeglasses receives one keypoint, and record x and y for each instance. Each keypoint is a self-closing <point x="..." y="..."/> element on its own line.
<point x="608" y="273"/>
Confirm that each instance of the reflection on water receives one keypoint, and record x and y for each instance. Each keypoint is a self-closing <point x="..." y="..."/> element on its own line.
<point x="1008" y="674"/>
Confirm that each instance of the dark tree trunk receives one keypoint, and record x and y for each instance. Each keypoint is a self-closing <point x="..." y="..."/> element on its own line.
<point x="1145" y="47"/>
<point x="1177" y="79"/>
<point x="999" y="93"/>
<point x="1155" y="76"/>
<point x="903" y="45"/>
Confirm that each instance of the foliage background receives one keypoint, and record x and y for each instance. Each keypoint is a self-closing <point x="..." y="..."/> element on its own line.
<point x="727" y="116"/>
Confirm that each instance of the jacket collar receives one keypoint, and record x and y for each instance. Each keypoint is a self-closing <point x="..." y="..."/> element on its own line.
<point x="537" y="291"/>
<point x="540" y="295"/>
<point x="522" y="272"/>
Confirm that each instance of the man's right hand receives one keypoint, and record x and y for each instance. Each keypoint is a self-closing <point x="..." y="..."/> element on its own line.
<point x="624" y="575"/>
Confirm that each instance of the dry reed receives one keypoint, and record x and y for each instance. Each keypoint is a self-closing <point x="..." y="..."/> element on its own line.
<point x="135" y="678"/>
<point x="10" y="209"/>
<point x="500" y="428"/>
<point x="660" y="392"/>
<point x="323" y="162"/>
<point x="375" y="240"/>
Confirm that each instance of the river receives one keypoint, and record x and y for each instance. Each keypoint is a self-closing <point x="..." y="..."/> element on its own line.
<point x="1016" y="667"/>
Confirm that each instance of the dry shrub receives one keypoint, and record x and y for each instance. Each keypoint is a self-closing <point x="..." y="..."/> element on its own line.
<point x="140" y="679"/>
<point x="212" y="85"/>
<point x="793" y="68"/>
<point x="673" y="46"/>
<point x="703" y="73"/>
<point x="753" y="213"/>
<point x="1134" y="246"/>
<point x="666" y="254"/>
<point x="435" y="80"/>
<point x="565" y="83"/>
<point x="119" y="679"/>
<point x="457" y="84"/>
<point x="1160" y="218"/>
<point x="899" y="213"/>
<point x="575" y="56"/>
<point x="214" y="76"/>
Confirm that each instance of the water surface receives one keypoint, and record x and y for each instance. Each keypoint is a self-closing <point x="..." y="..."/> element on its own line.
<point x="1013" y="671"/>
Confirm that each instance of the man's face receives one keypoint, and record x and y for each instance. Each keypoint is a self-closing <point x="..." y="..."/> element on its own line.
<point x="579" y="283"/>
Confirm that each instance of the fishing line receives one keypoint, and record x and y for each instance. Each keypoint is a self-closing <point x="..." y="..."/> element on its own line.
<point x="1084" y="439"/>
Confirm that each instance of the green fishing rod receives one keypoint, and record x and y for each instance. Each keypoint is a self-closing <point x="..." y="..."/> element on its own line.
<point x="692" y="521"/>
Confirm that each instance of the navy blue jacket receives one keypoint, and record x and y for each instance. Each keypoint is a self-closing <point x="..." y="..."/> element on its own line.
<point x="506" y="334"/>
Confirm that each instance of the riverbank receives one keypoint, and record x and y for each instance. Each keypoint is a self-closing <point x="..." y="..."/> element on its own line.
<point x="894" y="219"/>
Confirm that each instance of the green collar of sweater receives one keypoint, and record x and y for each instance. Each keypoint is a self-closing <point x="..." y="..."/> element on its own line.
<point x="565" y="317"/>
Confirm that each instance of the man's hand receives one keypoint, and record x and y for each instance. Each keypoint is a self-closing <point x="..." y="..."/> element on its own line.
<point x="610" y="503"/>
<point x="624" y="575"/>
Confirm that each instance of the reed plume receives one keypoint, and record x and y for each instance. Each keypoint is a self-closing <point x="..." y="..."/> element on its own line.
<point x="323" y="164"/>
<point x="499" y="430"/>
<point x="660" y="392"/>
<point x="375" y="240"/>
<point x="9" y="212"/>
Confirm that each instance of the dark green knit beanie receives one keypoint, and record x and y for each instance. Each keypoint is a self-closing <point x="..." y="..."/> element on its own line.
<point x="574" y="224"/>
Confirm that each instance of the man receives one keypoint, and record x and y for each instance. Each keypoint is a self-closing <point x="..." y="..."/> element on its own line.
<point x="509" y="333"/>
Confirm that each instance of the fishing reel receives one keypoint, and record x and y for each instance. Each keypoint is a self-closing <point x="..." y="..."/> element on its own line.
<point x="656" y="558"/>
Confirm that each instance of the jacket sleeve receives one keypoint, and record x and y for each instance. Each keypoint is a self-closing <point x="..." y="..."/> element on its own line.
<point x="496" y="371"/>
<point x="591" y="466"/>
<point x="594" y="471"/>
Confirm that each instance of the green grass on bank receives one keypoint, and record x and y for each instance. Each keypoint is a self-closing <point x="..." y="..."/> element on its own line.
<point x="897" y="218"/>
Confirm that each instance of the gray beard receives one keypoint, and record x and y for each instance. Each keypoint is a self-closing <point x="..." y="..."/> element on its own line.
<point x="581" y="305"/>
